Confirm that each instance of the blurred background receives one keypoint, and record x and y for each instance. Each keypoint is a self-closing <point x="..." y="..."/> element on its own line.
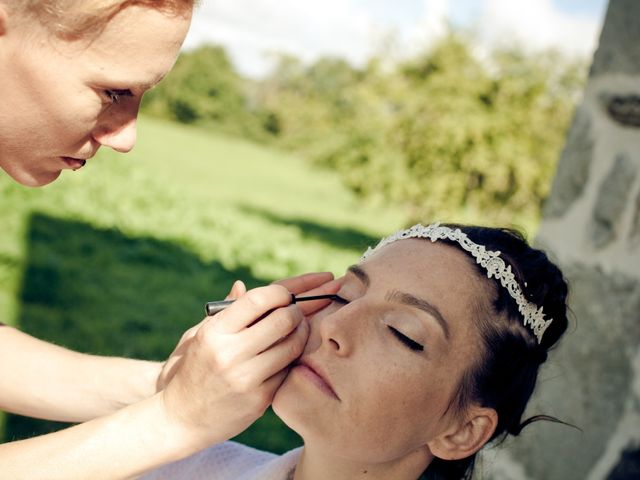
<point x="288" y="138"/>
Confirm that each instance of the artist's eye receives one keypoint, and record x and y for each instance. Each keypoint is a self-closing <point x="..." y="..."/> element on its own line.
<point x="412" y="344"/>
<point x="114" y="96"/>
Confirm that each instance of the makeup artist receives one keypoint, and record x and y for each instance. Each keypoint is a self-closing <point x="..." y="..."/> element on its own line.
<point x="72" y="74"/>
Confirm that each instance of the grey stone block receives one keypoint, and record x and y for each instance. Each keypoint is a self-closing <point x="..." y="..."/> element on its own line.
<point x="612" y="199"/>
<point x="573" y="169"/>
<point x="635" y="226"/>
<point x="619" y="49"/>
<point x="586" y="380"/>
<point x="623" y="109"/>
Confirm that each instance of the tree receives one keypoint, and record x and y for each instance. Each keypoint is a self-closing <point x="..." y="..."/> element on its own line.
<point x="203" y="86"/>
<point x="449" y="136"/>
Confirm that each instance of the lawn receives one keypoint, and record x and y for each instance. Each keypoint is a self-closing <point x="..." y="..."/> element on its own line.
<point x="119" y="257"/>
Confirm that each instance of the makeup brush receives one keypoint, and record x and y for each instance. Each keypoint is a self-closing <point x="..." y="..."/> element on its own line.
<point x="211" y="308"/>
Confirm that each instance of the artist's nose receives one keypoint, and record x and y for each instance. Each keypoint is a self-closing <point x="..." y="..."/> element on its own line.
<point x="118" y="129"/>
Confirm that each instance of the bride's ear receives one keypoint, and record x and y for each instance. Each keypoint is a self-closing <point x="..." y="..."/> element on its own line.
<point x="466" y="437"/>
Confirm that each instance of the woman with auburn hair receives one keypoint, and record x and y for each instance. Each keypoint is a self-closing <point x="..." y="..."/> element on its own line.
<point x="431" y="349"/>
<point x="72" y="74"/>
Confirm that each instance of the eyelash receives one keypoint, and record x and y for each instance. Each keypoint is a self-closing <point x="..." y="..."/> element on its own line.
<point x="338" y="299"/>
<point x="412" y="344"/>
<point x="114" y="96"/>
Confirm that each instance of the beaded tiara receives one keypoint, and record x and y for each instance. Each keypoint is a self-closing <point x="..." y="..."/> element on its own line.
<point x="491" y="261"/>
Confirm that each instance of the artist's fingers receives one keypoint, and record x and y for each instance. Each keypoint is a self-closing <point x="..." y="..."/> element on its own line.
<point x="312" y="306"/>
<point x="237" y="290"/>
<point x="189" y="334"/>
<point x="268" y="388"/>
<point x="306" y="282"/>
<point x="250" y="307"/>
<point x="272" y="329"/>
<point x="280" y="355"/>
<point x="273" y="383"/>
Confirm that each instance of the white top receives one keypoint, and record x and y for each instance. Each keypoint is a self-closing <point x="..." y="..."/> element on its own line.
<point x="229" y="461"/>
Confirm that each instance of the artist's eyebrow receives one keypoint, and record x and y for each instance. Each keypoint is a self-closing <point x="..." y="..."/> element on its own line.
<point x="131" y="85"/>
<point x="360" y="273"/>
<point x="413" y="301"/>
<point x="143" y="87"/>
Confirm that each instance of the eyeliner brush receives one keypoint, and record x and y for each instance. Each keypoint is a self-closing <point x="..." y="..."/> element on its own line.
<point x="211" y="308"/>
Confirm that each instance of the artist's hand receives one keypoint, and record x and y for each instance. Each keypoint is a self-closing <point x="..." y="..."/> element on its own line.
<point x="169" y="368"/>
<point x="229" y="368"/>
<point x="320" y="283"/>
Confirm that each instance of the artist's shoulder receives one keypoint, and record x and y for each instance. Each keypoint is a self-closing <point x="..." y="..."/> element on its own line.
<point x="228" y="460"/>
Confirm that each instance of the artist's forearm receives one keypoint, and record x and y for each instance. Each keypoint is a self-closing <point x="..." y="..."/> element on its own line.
<point x="123" y="445"/>
<point x="42" y="380"/>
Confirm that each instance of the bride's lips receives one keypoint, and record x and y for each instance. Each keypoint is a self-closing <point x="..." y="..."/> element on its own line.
<point x="74" y="163"/>
<point x="314" y="373"/>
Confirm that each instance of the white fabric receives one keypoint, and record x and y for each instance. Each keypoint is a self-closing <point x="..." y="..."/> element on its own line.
<point x="229" y="461"/>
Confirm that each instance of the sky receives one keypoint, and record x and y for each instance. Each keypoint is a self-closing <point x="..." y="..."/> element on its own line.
<point x="253" y="30"/>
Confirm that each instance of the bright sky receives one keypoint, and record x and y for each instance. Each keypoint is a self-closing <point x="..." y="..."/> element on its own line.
<point x="355" y="29"/>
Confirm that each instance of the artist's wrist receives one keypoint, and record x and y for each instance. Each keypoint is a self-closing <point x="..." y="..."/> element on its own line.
<point x="146" y="379"/>
<point x="190" y="437"/>
<point x="149" y="436"/>
<point x="140" y="381"/>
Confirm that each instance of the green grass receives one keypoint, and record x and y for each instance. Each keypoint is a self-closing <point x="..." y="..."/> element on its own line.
<point x="119" y="257"/>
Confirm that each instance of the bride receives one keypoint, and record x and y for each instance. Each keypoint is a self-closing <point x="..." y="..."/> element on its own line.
<point x="431" y="350"/>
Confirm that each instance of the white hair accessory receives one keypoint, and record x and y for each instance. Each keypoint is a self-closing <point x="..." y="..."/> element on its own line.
<point x="489" y="260"/>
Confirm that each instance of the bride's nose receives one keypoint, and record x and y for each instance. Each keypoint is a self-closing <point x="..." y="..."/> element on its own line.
<point x="341" y="330"/>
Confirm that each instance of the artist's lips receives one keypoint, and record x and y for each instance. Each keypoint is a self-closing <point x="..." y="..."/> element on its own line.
<point x="74" y="163"/>
<point x="316" y="375"/>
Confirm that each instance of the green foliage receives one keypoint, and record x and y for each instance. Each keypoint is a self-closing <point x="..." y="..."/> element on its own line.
<point x="445" y="135"/>
<point x="203" y="88"/>
<point x="120" y="257"/>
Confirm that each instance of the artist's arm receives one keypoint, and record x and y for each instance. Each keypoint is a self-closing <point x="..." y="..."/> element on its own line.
<point x="119" y="446"/>
<point x="226" y="373"/>
<point x="42" y="380"/>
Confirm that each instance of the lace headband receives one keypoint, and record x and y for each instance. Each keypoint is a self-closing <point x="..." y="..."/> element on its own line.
<point x="489" y="260"/>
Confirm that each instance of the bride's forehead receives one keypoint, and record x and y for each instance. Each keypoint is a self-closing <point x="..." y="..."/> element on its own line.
<point x="418" y="252"/>
<point x="421" y="263"/>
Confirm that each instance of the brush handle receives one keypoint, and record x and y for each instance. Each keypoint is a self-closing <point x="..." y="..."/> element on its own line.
<point x="211" y="308"/>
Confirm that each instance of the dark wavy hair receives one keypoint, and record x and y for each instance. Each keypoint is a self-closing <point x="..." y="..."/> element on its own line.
<point x="504" y="376"/>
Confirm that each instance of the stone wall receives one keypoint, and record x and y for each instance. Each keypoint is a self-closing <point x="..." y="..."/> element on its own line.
<point x="591" y="227"/>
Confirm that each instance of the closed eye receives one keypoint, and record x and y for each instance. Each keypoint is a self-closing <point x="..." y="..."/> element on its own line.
<point x="339" y="299"/>
<point x="412" y="344"/>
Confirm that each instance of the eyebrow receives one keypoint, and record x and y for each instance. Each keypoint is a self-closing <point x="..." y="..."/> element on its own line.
<point x="420" y="303"/>
<point x="116" y="84"/>
<point x="144" y="86"/>
<point x="407" y="299"/>
<point x="360" y="274"/>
